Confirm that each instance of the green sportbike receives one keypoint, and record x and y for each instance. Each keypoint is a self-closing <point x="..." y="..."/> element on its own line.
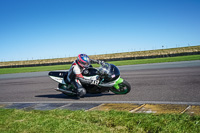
<point x="107" y="74"/>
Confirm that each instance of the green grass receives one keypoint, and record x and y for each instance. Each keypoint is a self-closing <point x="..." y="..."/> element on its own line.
<point x="118" y="63"/>
<point x="158" y="52"/>
<point x="157" y="60"/>
<point x="60" y="121"/>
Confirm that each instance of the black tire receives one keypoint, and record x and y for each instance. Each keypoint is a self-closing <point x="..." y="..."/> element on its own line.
<point x="125" y="88"/>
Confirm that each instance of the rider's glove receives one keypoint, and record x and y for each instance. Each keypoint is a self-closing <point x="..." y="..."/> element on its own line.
<point x="95" y="82"/>
<point x="101" y="62"/>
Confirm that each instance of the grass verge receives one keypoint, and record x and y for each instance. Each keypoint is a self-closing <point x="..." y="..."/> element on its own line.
<point x="58" y="121"/>
<point x="135" y="54"/>
<point x="118" y="63"/>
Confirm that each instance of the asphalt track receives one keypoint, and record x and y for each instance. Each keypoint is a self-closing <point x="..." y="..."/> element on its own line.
<point x="159" y="83"/>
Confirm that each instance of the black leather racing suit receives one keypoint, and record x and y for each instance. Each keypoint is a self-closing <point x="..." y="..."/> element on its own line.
<point x="76" y="78"/>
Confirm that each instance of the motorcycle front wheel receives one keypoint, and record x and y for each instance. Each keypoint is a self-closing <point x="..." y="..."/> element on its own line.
<point x="124" y="88"/>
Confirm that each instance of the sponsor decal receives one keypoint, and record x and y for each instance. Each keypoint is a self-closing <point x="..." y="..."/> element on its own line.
<point x="85" y="72"/>
<point x="113" y="76"/>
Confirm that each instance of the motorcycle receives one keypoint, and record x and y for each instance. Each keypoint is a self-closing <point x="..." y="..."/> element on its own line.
<point x="107" y="74"/>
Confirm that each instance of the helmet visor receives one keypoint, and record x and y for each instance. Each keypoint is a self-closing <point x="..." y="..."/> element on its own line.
<point x="84" y="63"/>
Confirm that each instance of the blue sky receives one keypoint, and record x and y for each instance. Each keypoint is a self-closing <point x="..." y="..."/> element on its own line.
<point x="41" y="29"/>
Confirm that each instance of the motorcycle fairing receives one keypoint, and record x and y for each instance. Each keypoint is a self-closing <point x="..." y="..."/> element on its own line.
<point x="116" y="85"/>
<point x="109" y="84"/>
<point x="58" y="76"/>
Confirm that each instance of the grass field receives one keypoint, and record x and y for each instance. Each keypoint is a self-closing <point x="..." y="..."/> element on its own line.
<point x="135" y="54"/>
<point x="59" y="121"/>
<point x="118" y="63"/>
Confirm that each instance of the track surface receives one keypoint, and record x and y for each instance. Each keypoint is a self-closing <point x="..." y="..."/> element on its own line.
<point x="177" y="82"/>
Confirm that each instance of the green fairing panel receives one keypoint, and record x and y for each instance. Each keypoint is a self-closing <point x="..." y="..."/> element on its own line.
<point x="120" y="80"/>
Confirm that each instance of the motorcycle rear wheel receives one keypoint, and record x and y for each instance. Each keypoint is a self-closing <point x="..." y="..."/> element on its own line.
<point x="124" y="88"/>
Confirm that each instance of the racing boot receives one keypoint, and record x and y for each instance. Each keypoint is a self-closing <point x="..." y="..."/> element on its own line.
<point x="81" y="92"/>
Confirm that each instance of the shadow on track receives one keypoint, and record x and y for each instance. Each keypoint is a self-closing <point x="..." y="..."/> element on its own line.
<point x="63" y="96"/>
<point x="99" y="95"/>
<point x="60" y="96"/>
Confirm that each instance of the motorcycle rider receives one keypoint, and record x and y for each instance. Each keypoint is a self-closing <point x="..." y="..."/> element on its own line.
<point x="75" y="76"/>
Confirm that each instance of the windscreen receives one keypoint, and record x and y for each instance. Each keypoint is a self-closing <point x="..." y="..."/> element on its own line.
<point x="110" y="71"/>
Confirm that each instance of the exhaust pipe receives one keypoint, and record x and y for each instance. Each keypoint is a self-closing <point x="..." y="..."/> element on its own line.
<point x="65" y="91"/>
